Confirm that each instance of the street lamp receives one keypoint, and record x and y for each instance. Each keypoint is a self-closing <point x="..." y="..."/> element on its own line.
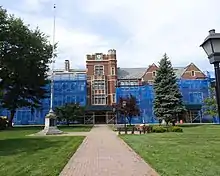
<point x="211" y="46"/>
<point x="114" y="114"/>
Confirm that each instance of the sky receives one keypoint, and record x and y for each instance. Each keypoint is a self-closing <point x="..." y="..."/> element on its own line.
<point x="141" y="31"/>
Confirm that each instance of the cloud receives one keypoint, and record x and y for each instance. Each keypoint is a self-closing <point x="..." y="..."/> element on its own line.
<point x="158" y="26"/>
<point x="141" y="31"/>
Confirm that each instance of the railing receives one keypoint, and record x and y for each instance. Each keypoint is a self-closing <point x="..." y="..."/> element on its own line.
<point x="89" y="120"/>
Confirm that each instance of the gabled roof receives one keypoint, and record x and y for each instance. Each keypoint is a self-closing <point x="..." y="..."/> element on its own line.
<point x="137" y="73"/>
<point x="179" y="71"/>
<point x="131" y="73"/>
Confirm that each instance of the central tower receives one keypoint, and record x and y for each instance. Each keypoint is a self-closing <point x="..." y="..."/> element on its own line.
<point x="101" y="78"/>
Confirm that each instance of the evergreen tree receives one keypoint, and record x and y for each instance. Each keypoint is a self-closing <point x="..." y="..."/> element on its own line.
<point x="211" y="107"/>
<point x="24" y="58"/>
<point x="168" y="99"/>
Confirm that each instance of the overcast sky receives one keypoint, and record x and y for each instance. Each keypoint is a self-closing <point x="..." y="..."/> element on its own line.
<point x="140" y="30"/>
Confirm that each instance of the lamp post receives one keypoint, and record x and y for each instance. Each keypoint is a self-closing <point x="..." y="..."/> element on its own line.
<point x="50" y="126"/>
<point x="114" y="114"/>
<point x="211" y="46"/>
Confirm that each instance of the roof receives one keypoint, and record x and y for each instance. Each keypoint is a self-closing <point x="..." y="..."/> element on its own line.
<point x="99" y="108"/>
<point x="179" y="71"/>
<point x="131" y="73"/>
<point x="137" y="73"/>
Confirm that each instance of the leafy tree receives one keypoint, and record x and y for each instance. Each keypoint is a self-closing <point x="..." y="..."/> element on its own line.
<point x="24" y="58"/>
<point x="211" y="107"/>
<point x="168" y="99"/>
<point x="69" y="112"/>
<point x="128" y="108"/>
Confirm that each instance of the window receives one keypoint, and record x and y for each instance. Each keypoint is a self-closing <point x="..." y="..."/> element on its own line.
<point x="195" y="97"/>
<point x="154" y="73"/>
<point x="113" y="98"/>
<point x="99" y="70"/>
<point x="99" y="100"/>
<point x="99" y="85"/>
<point x="113" y="71"/>
<point x="192" y="73"/>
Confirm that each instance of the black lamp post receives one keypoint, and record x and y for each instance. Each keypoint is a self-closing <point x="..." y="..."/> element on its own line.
<point x="114" y="114"/>
<point x="211" y="46"/>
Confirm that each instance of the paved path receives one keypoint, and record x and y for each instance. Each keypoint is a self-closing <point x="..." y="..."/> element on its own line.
<point x="103" y="154"/>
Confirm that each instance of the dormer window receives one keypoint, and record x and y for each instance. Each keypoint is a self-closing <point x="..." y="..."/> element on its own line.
<point x="193" y="73"/>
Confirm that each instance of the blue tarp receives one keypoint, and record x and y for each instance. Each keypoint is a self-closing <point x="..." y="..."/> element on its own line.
<point x="193" y="91"/>
<point x="68" y="90"/>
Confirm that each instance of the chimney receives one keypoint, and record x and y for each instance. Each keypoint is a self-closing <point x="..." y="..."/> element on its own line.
<point x="67" y="65"/>
<point x="212" y="31"/>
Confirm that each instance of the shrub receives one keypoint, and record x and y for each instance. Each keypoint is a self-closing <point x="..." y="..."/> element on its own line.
<point x="158" y="129"/>
<point x="3" y="122"/>
<point x="149" y="129"/>
<point x="176" y="129"/>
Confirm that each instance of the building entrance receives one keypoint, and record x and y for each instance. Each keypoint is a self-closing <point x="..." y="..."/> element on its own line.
<point x="100" y="118"/>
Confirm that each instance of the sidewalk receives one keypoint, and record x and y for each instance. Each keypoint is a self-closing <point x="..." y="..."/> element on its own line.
<point x="103" y="154"/>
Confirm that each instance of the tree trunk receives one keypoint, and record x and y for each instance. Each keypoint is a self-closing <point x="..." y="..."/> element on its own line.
<point x="67" y="122"/>
<point x="130" y="121"/>
<point x="125" y="125"/>
<point x="160" y="121"/>
<point x="12" y="114"/>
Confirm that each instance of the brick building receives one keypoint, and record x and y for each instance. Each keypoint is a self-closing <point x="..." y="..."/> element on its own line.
<point x="103" y="75"/>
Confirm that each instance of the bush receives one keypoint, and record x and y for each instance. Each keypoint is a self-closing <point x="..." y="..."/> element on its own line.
<point x="3" y="123"/>
<point x="176" y="129"/>
<point x="158" y="129"/>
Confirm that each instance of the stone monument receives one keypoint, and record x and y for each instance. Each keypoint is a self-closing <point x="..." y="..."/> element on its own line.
<point x="50" y="127"/>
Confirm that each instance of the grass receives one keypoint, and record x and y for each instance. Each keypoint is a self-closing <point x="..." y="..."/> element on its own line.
<point x="33" y="156"/>
<point x="76" y="128"/>
<point x="65" y="128"/>
<point x="195" y="152"/>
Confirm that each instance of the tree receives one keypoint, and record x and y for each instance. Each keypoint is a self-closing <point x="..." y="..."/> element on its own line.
<point x="168" y="99"/>
<point x="24" y="58"/>
<point x="128" y="108"/>
<point x="211" y="107"/>
<point x="69" y="112"/>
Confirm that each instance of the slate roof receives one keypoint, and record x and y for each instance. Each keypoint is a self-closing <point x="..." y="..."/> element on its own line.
<point x="179" y="71"/>
<point x="137" y="73"/>
<point x="131" y="73"/>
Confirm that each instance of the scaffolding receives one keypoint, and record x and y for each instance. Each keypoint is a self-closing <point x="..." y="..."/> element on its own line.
<point x="193" y="91"/>
<point x="68" y="88"/>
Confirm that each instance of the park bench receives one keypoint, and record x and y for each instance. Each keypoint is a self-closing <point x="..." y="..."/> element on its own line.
<point x="141" y="128"/>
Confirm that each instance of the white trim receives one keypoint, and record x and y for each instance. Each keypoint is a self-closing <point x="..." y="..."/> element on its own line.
<point x="98" y="65"/>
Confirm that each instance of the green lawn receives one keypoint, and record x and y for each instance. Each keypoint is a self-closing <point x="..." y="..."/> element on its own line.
<point x="76" y="128"/>
<point x="195" y="152"/>
<point x="71" y="128"/>
<point x="33" y="156"/>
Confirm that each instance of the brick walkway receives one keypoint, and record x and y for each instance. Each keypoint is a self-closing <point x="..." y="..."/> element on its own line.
<point x="103" y="154"/>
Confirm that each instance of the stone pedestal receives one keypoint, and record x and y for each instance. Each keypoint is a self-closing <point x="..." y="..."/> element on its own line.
<point x="50" y="127"/>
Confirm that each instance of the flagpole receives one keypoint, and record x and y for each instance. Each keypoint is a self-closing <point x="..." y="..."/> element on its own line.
<point x="53" y="60"/>
<point x="50" y="127"/>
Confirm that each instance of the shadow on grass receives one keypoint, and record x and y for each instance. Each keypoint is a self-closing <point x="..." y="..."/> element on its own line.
<point x="27" y="145"/>
<point x="191" y="125"/>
